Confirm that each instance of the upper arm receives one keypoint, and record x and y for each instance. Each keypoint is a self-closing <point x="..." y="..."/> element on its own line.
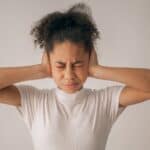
<point x="10" y="95"/>
<point x="131" y="96"/>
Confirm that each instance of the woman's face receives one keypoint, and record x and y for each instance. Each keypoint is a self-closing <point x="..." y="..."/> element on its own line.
<point x="69" y="66"/>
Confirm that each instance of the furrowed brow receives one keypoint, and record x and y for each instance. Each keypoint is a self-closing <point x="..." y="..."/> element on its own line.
<point x="62" y="63"/>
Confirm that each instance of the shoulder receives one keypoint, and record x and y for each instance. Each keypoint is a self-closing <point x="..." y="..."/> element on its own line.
<point x="107" y="91"/>
<point x="30" y="90"/>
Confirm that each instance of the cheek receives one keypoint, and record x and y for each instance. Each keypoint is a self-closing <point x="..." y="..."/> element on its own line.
<point x="85" y="69"/>
<point x="82" y="73"/>
<point x="56" y="73"/>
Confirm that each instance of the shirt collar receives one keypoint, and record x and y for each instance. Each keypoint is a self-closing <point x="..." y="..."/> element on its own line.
<point x="65" y="97"/>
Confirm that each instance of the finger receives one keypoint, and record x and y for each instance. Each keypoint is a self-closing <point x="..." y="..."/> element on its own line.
<point x="45" y="58"/>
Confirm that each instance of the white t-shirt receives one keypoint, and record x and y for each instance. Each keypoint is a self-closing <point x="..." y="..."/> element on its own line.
<point x="63" y="121"/>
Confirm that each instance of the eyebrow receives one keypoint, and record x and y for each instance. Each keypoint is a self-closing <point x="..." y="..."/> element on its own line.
<point x="77" y="62"/>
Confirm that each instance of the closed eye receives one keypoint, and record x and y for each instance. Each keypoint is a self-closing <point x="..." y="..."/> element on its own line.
<point x="72" y="66"/>
<point x="59" y="67"/>
<point x="78" y="65"/>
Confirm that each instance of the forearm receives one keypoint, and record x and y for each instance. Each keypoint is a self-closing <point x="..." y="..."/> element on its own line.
<point x="134" y="77"/>
<point x="11" y="75"/>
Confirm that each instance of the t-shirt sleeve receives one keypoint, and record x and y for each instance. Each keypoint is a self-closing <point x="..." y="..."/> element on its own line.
<point x="110" y="102"/>
<point x="30" y="96"/>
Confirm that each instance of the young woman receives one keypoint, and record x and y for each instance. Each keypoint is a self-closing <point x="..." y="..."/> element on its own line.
<point x="70" y="116"/>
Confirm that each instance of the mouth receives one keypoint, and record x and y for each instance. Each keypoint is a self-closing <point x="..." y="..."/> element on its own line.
<point x="71" y="84"/>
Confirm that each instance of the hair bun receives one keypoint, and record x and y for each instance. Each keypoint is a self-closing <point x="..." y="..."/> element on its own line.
<point x="81" y="8"/>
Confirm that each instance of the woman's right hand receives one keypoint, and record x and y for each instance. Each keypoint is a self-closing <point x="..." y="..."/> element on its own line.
<point x="46" y="65"/>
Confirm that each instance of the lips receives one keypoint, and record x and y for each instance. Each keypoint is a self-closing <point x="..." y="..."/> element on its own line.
<point x="71" y="84"/>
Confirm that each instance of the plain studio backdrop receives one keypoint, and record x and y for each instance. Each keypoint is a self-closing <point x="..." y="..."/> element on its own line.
<point x="125" y="42"/>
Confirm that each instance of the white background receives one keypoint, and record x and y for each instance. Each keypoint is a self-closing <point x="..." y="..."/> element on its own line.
<point x="125" y="33"/>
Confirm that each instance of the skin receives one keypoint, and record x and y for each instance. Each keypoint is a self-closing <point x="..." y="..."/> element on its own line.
<point x="69" y="64"/>
<point x="137" y="80"/>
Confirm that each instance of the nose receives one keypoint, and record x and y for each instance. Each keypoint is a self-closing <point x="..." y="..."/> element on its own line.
<point x="69" y="74"/>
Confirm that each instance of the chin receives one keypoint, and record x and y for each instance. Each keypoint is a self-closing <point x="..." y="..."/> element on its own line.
<point x="71" y="89"/>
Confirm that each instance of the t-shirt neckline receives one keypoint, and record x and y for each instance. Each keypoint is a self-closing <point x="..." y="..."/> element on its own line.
<point x="69" y="98"/>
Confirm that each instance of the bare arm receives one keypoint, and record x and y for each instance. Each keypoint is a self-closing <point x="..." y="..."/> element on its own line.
<point x="137" y="80"/>
<point x="11" y="75"/>
<point x="9" y="94"/>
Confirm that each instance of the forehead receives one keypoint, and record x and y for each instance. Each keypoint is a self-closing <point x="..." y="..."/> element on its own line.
<point x="68" y="51"/>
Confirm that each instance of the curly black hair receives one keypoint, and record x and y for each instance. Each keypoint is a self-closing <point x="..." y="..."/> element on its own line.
<point x="75" y="24"/>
